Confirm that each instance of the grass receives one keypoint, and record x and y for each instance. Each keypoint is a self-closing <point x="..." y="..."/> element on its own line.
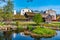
<point x="43" y="31"/>
<point x="23" y="23"/>
<point x="53" y="24"/>
<point x="1" y="23"/>
<point x="56" y="23"/>
<point x="27" y="22"/>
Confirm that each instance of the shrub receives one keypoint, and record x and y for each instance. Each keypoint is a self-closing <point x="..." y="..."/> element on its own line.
<point x="17" y="23"/>
<point x="19" y="27"/>
<point x="29" y="27"/>
<point x="1" y="23"/>
<point x="37" y="18"/>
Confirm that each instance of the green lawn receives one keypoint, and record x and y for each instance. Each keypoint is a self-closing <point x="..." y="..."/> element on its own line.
<point x="43" y="31"/>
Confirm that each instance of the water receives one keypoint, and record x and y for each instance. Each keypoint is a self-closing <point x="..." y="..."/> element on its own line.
<point x="57" y="37"/>
<point x="21" y="36"/>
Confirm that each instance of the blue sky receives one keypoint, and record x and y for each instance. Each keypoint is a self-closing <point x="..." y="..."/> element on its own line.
<point x="37" y="5"/>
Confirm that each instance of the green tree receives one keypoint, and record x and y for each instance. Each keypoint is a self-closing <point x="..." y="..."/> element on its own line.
<point x="8" y="17"/>
<point x="1" y="14"/>
<point x="37" y="18"/>
<point x="1" y="10"/>
<point x="8" y="10"/>
<point x="9" y="7"/>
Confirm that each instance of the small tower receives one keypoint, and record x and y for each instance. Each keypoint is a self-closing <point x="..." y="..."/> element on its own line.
<point x="14" y="12"/>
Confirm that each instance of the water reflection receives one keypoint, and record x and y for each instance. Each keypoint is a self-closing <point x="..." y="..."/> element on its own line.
<point x="1" y="35"/>
<point x="5" y="35"/>
<point x="12" y="35"/>
<point x="37" y="38"/>
<point x="20" y="36"/>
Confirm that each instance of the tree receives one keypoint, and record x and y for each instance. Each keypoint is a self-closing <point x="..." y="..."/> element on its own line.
<point x="8" y="17"/>
<point x="1" y="10"/>
<point x="9" y="7"/>
<point x="1" y="14"/>
<point x="8" y="10"/>
<point x="37" y="18"/>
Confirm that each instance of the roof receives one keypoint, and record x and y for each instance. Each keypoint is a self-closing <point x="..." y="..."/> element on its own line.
<point x="44" y="15"/>
<point x="30" y="14"/>
<point x="18" y="16"/>
<point x="51" y="10"/>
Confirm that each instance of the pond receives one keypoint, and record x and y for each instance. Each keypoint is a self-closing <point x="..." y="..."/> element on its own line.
<point x="21" y="36"/>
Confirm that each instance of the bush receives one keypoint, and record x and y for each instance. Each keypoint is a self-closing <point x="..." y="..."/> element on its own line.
<point x="19" y="27"/>
<point x="29" y="27"/>
<point x="37" y="18"/>
<point x="17" y="23"/>
<point x="1" y="23"/>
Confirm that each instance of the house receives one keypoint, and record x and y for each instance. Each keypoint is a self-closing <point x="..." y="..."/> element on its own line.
<point x="27" y="15"/>
<point x="23" y="11"/>
<point x="52" y="13"/>
<point x="48" y="19"/>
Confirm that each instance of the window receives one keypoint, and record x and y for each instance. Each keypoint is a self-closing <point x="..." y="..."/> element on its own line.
<point x="23" y="10"/>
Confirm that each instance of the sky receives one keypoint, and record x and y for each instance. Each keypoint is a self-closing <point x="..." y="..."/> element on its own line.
<point x="37" y="5"/>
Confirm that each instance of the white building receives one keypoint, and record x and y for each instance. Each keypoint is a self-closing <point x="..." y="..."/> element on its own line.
<point x="52" y="13"/>
<point x="23" y="11"/>
<point x="14" y="12"/>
